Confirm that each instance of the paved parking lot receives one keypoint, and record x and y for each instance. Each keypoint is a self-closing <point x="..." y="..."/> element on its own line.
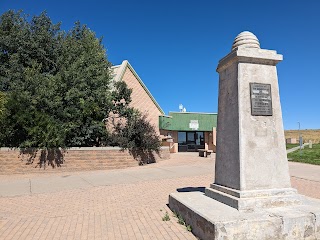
<point x="119" y="204"/>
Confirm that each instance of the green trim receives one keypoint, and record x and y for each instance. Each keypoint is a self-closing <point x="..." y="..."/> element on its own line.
<point x="123" y="67"/>
<point x="180" y="121"/>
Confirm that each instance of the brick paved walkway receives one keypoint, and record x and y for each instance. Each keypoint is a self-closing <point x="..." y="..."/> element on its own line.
<point x="117" y="211"/>
<point x="125" y="211"/>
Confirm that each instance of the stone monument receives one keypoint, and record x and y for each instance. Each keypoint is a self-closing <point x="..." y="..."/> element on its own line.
<point x="251" y="197"/>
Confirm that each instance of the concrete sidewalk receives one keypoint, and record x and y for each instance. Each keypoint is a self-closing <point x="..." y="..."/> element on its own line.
<point x="305" y="171"/>
<point x="82" y="180"/>
<point x="290" y="150"/>
<point x="163" y="170"/>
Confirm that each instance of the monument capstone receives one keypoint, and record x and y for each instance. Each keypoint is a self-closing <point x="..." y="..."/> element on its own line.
<point x="251" y="197"/>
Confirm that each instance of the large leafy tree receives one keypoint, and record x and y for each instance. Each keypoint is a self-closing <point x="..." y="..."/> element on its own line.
<point x="3" y="112"/>
<point x="56" y="91"/>
<point x="84" y="83"/>
<point x="55" y="86"/>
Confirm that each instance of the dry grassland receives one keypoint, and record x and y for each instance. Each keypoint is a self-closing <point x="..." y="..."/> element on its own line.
<point x="308" y="134"/>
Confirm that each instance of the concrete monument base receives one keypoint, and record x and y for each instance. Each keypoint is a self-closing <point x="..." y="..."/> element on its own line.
<point x="211" y="219"/>
<point x="253" y="199"/>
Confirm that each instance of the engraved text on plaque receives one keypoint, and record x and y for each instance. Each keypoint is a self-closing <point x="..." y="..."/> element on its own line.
<point x="261" y="101"/>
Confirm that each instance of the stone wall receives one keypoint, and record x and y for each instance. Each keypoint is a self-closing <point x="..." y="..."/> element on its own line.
<point x="13" y="161"/>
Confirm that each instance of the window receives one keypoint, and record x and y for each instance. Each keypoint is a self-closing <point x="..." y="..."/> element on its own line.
<point x="190" y="141"/>
<point x="182" y="138"/>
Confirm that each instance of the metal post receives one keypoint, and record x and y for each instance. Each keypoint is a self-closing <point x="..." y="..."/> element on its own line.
<point x="300" y="139"/>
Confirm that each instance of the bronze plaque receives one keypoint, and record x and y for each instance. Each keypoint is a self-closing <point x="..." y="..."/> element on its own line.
<point x="261" y="101"/>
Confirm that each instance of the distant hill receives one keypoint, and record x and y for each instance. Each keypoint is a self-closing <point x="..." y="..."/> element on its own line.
<point x="307" y="134"/>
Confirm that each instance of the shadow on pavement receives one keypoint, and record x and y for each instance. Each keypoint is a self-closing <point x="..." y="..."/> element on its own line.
<point x="191" y="189"/>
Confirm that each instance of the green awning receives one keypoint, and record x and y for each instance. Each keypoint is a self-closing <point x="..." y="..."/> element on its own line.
<point x="188" y="121"/>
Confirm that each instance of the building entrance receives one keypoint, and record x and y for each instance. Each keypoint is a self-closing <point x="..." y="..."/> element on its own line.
<point x="190" y="141"/>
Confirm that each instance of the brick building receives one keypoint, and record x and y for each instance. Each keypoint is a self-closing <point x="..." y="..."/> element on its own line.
<point x="141" y="97"/>
<point x="189" y="131"/>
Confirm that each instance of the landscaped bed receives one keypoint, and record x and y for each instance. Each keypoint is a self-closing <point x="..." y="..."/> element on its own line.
<point x="307" y="155"/>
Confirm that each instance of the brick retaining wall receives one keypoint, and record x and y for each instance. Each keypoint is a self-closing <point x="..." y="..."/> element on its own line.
<point x="12" y="161"/>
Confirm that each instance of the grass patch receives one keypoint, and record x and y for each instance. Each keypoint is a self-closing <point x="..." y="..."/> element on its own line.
<point x="182" y="222"/>
<point x="291" y="145"/>
<point x="166" y="217"/>
<point x="308" y="155"/>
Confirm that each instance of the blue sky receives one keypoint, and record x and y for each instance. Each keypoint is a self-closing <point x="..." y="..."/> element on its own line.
<point x="175" y="46"/>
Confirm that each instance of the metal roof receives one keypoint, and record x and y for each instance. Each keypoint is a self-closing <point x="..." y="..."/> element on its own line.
<point x="188" y="121"/>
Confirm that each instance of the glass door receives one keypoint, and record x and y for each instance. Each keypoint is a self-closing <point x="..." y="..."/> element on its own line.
<point x="199" y="140"/>
<point x="190" y="141"/>
<point x="182" y="142"/>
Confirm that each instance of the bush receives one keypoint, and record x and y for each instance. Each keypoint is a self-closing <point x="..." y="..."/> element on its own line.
<point x="138" y="136"/>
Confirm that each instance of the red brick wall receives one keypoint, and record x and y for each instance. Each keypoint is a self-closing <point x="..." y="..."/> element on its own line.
<point x="141" y="100"/>
<point x="13" y="162"/>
